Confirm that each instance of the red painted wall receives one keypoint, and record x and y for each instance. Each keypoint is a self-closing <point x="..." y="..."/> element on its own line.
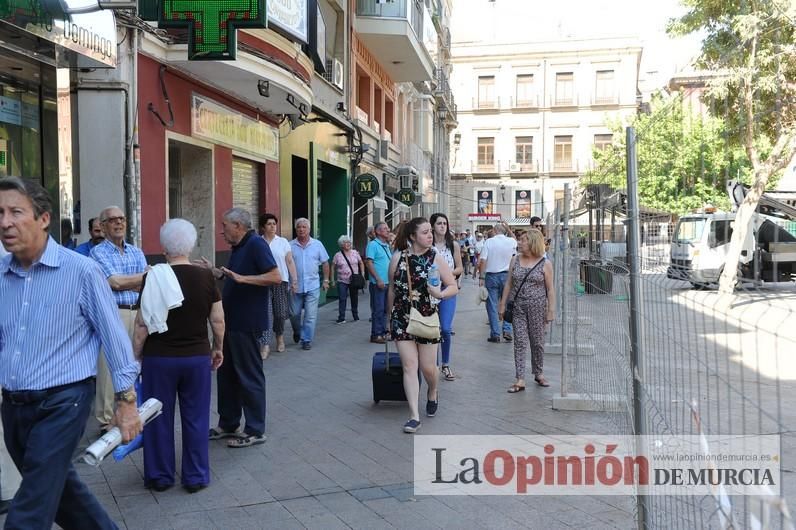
<point x="152" y="142"/>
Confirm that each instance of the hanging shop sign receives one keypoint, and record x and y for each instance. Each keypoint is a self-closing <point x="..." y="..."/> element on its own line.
<point x="486" y="202"/>
<point x="91" y="35"/>
<point x="485" y="217"/>
<point x="221" y="125"/>
<point x="289" y="15"/>
<point x="366" y="186"/>
<point x="522" y="203"/>
<point x="406" y="196"/>
<point x="212" y="24"/>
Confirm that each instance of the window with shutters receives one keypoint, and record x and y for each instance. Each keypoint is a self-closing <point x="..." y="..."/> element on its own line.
<point x="565" y="88"/>
<point x="246" y="186"/>
<point x="562" y="146"/>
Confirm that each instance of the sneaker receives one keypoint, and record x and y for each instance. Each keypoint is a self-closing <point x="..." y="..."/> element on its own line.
<point x="411" y="426"/>
<point x="306" y="345"/>
<point x="341" y="321"/>
<point x="493" y="339"/>
<point x="431" y="407"/>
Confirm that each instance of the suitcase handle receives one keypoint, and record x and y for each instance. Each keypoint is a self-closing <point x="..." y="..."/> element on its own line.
<point x="386" y="356"/>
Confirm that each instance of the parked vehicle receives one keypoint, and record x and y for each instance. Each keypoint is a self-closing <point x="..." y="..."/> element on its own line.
<point x="702" y="240"/>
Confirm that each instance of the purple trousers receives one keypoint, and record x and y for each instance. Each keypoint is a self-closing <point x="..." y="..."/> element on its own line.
<point x="167" y="379"/>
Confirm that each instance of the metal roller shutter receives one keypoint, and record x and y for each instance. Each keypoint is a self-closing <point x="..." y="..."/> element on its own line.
<point x="246" y="187"/>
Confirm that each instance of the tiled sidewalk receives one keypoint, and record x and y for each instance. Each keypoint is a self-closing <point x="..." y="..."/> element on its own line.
<point x="334" y="459"/>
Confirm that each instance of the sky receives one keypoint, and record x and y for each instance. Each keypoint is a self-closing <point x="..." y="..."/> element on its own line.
<point x="534" y="20"/>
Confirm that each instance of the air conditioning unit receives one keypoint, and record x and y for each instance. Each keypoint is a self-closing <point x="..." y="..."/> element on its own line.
<point x="337" y="74"/>
<point x="514" y="167"/>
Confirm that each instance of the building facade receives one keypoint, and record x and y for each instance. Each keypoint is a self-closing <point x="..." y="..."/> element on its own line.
<point x="530" y="115"/>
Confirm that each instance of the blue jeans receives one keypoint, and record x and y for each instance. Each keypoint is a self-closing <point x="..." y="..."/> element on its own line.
<point x="378" y="322"/>
<point x="41" y="435"/>
<point x="309" y="302"/>
<point x="494" y="283"/>
<point x="447" y="310"/>
<point x="241" y="383"/>
<point x="343" y="292"/>
<point x="169" y="378"/>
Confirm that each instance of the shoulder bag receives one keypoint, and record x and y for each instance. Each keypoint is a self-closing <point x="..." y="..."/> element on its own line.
<point x="419" y="325"/>
<point x="357" y="280"/>
<point x="508" y="314"/>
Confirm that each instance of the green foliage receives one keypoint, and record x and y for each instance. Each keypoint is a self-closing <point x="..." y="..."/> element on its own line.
<point x="747" y="43"/>
<point x="684" y="159"/>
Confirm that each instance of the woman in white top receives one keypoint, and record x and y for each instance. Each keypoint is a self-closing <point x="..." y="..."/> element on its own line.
<point x="448" y="248"/>
<point x="279" y="295"/>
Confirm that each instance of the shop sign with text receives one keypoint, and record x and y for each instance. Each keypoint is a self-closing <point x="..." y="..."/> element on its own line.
<point x="406" y="196"/>
<point x="487" y="217"/>
<point x="290" y="15"/>
<point x="366" y="186"/>
<point x="218" y="124"/>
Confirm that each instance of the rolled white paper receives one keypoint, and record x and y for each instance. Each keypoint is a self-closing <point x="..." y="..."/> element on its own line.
<point x="97" y="451"/>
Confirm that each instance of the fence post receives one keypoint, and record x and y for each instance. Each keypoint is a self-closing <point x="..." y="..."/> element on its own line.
<point x="634" y="263"/>
<point x="564" y="265"/>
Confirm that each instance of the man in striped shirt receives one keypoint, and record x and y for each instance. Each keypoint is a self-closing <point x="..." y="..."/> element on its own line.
<point x="124" y="266"/>
<point x="57" y="309"/>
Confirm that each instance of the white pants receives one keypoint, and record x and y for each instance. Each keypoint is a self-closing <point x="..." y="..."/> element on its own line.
<point x="103" y="401"/>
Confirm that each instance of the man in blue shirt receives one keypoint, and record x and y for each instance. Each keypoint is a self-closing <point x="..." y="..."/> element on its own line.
<point x="377" y="260"/>
<point x="95" y="233"/>
<point x="124" y="266"/>
<point x="308" y="255"/>
<point x="241" y="380"/>
<point x="57" y="309"/>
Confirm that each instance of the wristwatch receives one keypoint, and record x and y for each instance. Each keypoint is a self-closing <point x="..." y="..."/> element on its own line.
<point x="127" y="396"/>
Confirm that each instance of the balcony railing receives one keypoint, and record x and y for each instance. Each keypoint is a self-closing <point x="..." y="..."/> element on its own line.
<point x="486" y="104"/>
<point x="564" y="166"/>
<point x="563" y="100"/>
<point x="528" y="102"/>
<point x="605" y="99"/>
<point x="409" y="10"/>
<point x="477" y="167"/>
<point x="511" y="166"/>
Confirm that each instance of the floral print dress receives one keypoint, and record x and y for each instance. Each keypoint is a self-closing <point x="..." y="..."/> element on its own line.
<point x="421" y="300"/>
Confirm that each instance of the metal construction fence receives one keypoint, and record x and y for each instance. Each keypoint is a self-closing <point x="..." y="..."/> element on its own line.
<point x="694" y="363"/>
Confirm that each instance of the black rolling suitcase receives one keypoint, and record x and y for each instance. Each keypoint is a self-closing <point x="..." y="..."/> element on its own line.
<point x="388" y="376"/>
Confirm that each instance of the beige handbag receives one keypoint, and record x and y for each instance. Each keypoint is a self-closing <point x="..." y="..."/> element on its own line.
<point x="419" y="325"/>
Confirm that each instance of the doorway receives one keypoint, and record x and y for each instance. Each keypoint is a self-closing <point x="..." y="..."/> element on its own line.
<point x="191" y="193"/>
<point x="301" y="191"/>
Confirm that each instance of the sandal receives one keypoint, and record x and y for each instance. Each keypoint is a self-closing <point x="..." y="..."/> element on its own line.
<point x="447" y="373"/>
<point x="247" y="441"/>
<point x="541" y="381"/>
<point x="218" y="433"/>
<point x="513" y="389"/>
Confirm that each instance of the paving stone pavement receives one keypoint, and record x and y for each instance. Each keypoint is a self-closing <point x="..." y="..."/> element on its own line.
<point x="334" y="459"/>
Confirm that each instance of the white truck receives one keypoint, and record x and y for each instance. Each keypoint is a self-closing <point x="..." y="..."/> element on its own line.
<point x="702" y="239"/>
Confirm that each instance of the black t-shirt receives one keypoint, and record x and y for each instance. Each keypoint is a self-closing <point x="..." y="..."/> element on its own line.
<point x="187" y="333"/>
<point x="244" y="304"/>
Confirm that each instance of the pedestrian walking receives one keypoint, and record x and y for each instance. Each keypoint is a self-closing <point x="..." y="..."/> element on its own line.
<point x="57" y="308"/>
<point x="530" y="285"/>
<point x="241" y="381"/>
<point x="410" y="289"/>
<point x="451" y="252"/>
<point x="350" y="277"/>
<point x="309" y="255"/>
<point x="477" y="247"/>
<point x="177" y="362"/>
<point x="377" y="256"/>
<point x="124" y="265"/>
<point x="278" y="295"/>
<point x="493" y="269"/>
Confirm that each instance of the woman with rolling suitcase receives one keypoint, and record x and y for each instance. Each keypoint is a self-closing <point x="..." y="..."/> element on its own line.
<point x="414" y="319"/>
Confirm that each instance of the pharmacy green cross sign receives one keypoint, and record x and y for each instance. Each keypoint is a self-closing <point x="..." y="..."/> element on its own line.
<point x="212" y="24"/>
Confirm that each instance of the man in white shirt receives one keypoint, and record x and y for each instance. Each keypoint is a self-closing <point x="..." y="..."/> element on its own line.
<point x="493" y="266"/>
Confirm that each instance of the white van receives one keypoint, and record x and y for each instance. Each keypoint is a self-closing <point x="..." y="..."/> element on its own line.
<point x="701" y="242"/>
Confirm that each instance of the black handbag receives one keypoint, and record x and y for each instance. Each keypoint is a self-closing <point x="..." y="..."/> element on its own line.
<point x="357" y="280"/>
<point x="508" y="313"/>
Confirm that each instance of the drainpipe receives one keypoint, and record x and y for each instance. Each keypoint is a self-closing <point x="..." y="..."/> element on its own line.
<point x="134" y="158"/>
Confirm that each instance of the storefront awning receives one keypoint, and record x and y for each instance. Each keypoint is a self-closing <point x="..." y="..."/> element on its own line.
<point x="519" y="221"/>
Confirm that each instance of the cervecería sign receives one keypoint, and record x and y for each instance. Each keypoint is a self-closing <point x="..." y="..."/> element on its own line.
<point x="216" y="123"/>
